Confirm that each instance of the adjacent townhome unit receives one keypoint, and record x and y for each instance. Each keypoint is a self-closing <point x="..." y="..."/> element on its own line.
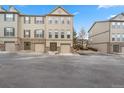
<point x="50" y="32"/>
<point x="108" y="36"/>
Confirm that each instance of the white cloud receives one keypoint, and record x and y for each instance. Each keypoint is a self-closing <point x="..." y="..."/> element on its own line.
<point x="75" y="13"/>
<point x="107" y="6"/>
<point x="111" y="16"/>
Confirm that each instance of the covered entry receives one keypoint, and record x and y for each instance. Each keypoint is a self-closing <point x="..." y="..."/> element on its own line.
<point x="9" y="46"/>
<point x="39" y="48"/>
<point x="27" y="45"/>
<point x="115" y="48"/>
<point x="53" y="46"/>
<point x="65" y="48"/>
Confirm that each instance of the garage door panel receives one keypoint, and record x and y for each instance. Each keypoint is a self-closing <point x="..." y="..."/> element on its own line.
<point x="65" y="49"/>
<point x="10" y="46"/>
<point x="39" y="47"/>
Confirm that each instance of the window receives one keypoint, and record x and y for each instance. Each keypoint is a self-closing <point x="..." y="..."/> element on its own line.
<point x="62" y="20"/>
<point x="62" y="34"/>
<point x="39" y="33"/>
<point x="68" y="20"/>
<point x="39" y="20"/>
<point x="122" y="37"/>
<point x="27" y="20"/>
<point x="50" y="20"/>
<point x="26" y="33"/>
<point x="118" y="37"/>
<point x="9" y="17"/>
<point x="9" y="31"/>
<point x="113" y="37"/>
<point x="68" y="34"/>
<point x="50" y="34"/>
<point x="56" y="34"/>
<point x="56" y="20"/>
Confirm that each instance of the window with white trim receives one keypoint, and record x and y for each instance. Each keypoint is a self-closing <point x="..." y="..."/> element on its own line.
<point x="39" y="33"/>
<point x="26" y="33"/>
<point x="9" y="17"/>
<point x="56" y="34"/>
<point x="50" y="34"/>
<point x="9" y="31"/>
<point x="39" y="20"/>
<point x="27" y="20"/>
<point x="68" y="34"/>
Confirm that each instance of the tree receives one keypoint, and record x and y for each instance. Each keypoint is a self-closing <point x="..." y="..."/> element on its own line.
<point x="82" y="37"/>
<point x="74" y="38"/>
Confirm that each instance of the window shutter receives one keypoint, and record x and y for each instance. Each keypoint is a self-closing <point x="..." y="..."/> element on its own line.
<point x="13" y="31"/>
<point x="4" y="31"/>
<point x="4" y="17"/>
<point x="24" y="33"/>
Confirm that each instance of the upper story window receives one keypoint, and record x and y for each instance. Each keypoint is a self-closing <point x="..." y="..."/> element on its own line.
<point x="26" y="33"/>
<point x="9" y="31"/>
<point x="49" y="20"/>
<point x="117" y="25"/>
<point x="56" y="20"/>
<point x="62" y="34"/>
<point x="68" y="20"/>
<point x="62" y="20"/>
<point x="122" y="37"/>
<point x="118" y="37"/>
<point x="56" y="34"/>
<point x="39" y="33"/>
<point x="9" y="17"/>
<point x="27" y="20"/>
<point x="39" y="20"/>
<point x="50" y="34"/>
<point x="113" y="37"/>
<point x="68" y="34"/>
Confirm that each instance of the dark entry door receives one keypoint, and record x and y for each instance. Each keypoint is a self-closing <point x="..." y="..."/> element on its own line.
<point x="115" y="48"/>
<point x="53" y="46"/>
<point x="27" y="45"/>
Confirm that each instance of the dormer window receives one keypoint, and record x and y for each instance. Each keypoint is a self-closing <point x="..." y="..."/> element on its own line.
<point x="9" y="17"/>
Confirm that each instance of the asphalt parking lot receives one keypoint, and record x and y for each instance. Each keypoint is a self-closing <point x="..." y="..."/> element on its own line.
<point x="51" y="71"/>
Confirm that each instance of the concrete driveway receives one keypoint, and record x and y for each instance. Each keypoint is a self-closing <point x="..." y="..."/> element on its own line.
<point x="45" y="71"/>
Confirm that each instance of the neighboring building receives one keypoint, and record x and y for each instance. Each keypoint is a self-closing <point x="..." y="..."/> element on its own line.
<point x="108" y="36"/>
<point x="50" y="32"/>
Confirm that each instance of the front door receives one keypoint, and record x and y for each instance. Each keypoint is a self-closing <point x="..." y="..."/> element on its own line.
<point x="115" y="48"/>
<point x="27" y="45"/>
<point x="53" y="46"/>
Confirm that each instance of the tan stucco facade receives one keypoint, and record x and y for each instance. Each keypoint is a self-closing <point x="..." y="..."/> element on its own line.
<point x="34" y="43"/>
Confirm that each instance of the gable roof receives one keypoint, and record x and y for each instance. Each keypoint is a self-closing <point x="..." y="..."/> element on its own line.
<point x="13" y="9"/>
<point x="2" y="9"/>
<point x="68" y="14"/>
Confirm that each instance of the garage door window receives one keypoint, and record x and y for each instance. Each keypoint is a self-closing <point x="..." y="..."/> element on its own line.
<point x="9" y="31"/>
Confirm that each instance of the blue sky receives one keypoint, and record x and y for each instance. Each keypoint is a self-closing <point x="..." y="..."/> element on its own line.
<point x="85" y="15"/>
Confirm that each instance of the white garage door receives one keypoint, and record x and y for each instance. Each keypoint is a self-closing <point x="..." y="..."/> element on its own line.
<point x="122" y="49"/>
<point x="10" y="46"/>
<point x="65" y="49"/>
<point x="39" y="48"/>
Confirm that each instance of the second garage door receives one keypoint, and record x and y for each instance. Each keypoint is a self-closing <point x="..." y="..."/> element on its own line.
<point x="65" y="49"/>
<point x="39" y="48"/>
<point x="9" y="46"/>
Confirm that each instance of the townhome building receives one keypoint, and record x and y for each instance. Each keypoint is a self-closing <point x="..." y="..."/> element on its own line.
<point x="108" y="36"/>
<point x="39" y="33"/>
